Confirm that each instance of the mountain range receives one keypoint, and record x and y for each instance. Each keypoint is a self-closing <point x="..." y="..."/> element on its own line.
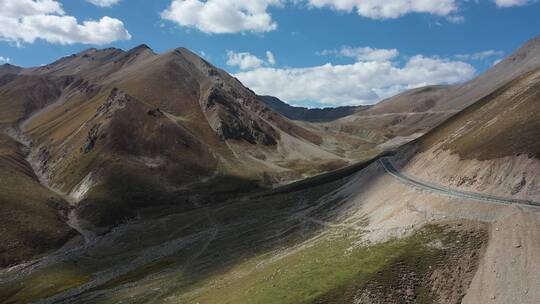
<point x="160" y="178"/>
<point x="307" y="114"/>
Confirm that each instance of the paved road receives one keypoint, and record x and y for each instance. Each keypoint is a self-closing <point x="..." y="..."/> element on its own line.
<point x="411" y="181"/>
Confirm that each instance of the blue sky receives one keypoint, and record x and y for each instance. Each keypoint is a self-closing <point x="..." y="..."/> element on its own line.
<point x="326" y="52"/>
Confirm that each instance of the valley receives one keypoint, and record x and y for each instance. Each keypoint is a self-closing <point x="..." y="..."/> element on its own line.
<point x="137" y="177"/>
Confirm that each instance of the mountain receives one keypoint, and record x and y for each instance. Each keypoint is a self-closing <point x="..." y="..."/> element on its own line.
<point x="491" y="148"/>
<point x="415" y="112"/>
<point x="306" y="114"/>
<point x="122" y="134"/>
<point x="491" y="145"/>
<point x="449" y="215"/>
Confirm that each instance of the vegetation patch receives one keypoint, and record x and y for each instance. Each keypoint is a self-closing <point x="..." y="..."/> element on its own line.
<point x="141" y="272"/>
<point x="335" y="270"/>
<point x="56" y="280"/>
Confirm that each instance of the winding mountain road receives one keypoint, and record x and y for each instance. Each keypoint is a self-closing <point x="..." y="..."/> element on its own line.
<point x="423" y="185"/>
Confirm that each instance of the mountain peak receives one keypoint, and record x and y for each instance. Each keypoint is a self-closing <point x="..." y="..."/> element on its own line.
<point x="531" y="49"/>
<point x="10" y="68"/>
<point x="187" y="53"/>
<point x="536" y="39"/>
<point x="94" y="51"/>
<point x="87" y="52"/>
<point x="142" y="48"/>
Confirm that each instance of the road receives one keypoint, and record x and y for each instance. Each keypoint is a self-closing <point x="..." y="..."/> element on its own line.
<point x="423" y="185"/>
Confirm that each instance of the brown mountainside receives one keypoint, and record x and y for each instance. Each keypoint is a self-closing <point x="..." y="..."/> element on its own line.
<point x="104" y="120"/>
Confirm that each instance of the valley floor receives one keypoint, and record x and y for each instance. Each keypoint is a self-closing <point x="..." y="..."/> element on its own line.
<point x="365" y="238"/>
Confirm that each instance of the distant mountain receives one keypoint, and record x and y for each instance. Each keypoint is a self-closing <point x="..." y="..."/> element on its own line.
<point x="307" y="114"/>
<point x="415" y="112"/>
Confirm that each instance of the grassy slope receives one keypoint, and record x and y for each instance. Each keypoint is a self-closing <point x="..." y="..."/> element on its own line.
<point x="329" y="269"/>
<point x="31" y="223"/>
<point x="504" y="123"/>
<point x="21" y="95"/>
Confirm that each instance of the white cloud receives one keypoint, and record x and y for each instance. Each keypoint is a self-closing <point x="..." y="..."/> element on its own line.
<point x="480" y="55"/>
<point x="25" y="21"/>
<point x="223" y="16"/>
<point x="377" y="9"/>
<point x="270" y="58"/>
<point x="4" y="60"/>
<point x="364" y="53"/>
<point x="363" y="82"/>
<point x="247" y="61"/>
<point x="104" y="3"/>
<point x="497" y="61"/>
<point x="244" y="61"/>
<point x="22" y="8"/>
<point x="509" y="3"/>
<point x="236" y="16"/>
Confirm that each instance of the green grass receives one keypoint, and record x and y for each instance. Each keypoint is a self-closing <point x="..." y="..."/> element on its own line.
<point x="319" y="273"/>
<point x="31" y="223"/>
<point x="54" y="281"/>
<point x="141" y="272"/>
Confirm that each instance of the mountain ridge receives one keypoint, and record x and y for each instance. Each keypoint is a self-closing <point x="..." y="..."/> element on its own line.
<point x="171" y="171"/>
<point x="310" y="114"/>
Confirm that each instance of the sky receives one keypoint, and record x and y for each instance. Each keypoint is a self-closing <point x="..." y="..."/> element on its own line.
<point x="314" y="53"/>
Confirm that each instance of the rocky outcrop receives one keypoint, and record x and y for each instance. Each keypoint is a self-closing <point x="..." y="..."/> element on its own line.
<point x="231" y="121"/>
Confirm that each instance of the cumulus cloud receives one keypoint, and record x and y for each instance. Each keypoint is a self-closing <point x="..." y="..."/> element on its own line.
<point x="363" y="82"/>
<point x="25" y="21"/>
<point x="243" y="60"/>
<point x="4" y="60"/>
<point x="480" y="55"/>
<point x="363" y="53"/>
<point x="247" y="61"/>
<point x="236" y="16"/>
<point x="389" y="9"/>
<point x="510" y="3"/>
<point x="223" y="16"/>
<point x="21" y="8"/>
<point x="104" y="3"/>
